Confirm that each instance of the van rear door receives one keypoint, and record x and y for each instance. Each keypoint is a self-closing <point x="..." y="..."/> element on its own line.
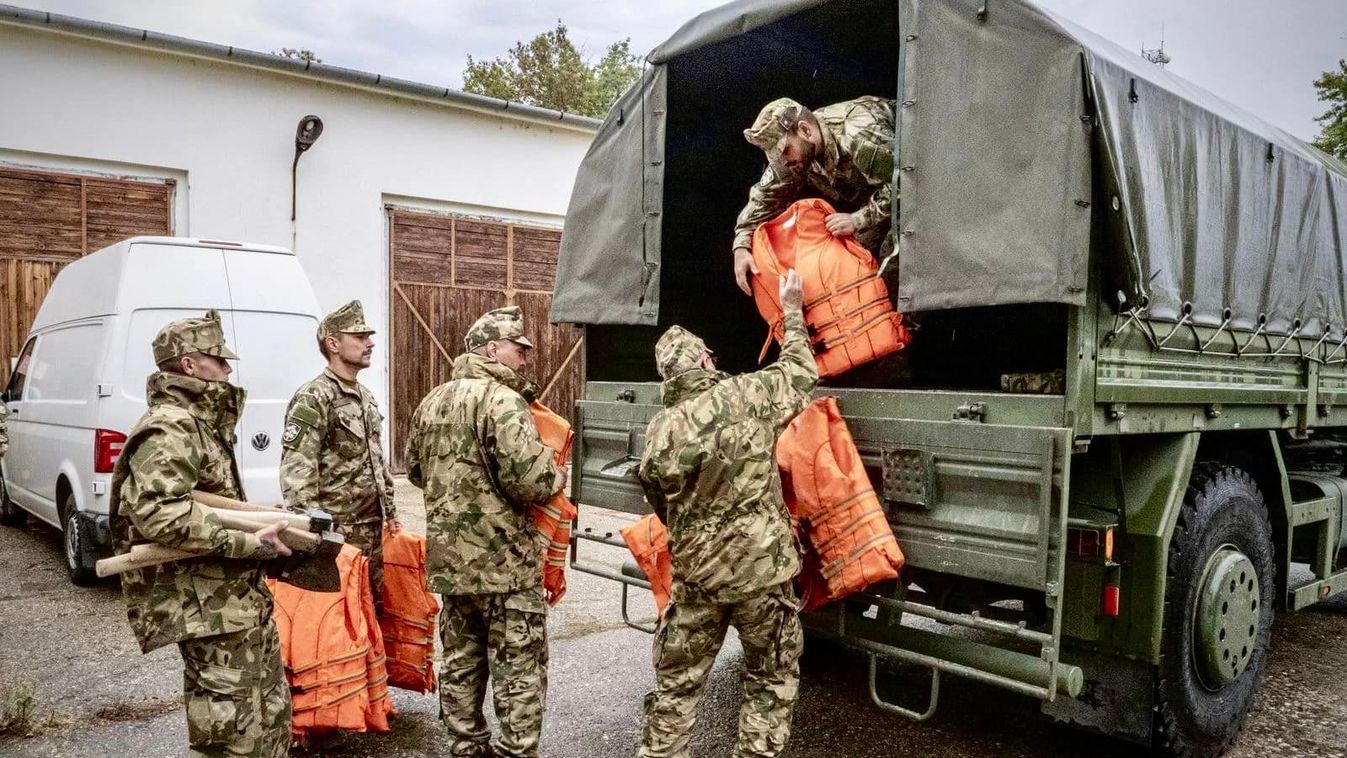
<point x="273" y="326"/>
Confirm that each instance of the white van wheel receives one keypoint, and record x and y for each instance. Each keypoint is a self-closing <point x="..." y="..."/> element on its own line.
<point x="81" y="572"/>
<point x="10" y="513"/>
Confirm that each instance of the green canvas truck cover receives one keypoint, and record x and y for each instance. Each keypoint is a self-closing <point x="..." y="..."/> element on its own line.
<point x="1003" y="105"/>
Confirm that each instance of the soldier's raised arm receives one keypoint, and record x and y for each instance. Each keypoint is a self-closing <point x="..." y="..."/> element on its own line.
<point x="786" y="385"/>
<point x="301" y="447"/>
<point x="157" y="498"/>
<point x="524" y="466"/>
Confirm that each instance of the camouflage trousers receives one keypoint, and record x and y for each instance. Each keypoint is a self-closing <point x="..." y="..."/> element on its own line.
<point x="686" y="642"/>
<point x="369" y="537"/>
<point x="237" y="699"/>
<point x="503" y="637"/>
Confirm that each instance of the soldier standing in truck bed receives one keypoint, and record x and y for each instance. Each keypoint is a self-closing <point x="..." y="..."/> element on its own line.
<point x="841" y="152"/>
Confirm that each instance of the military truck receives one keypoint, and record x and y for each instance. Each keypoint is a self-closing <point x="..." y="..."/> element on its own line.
<point x="1114" y="547"/>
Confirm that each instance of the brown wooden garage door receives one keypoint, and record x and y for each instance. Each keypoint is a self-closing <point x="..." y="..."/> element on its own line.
<point x="48" y="220"/>
<point x="446" y="271"/>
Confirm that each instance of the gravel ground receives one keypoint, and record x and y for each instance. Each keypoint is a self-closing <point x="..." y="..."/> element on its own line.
<point x="98" y="696"/>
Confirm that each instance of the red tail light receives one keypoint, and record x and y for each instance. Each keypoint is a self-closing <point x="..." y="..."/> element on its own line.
<point x="107" y="447"/>
<point x="1111" y="600"/>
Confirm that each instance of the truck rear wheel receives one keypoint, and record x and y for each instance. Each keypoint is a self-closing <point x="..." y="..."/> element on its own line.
<point x="1218" y="612"/>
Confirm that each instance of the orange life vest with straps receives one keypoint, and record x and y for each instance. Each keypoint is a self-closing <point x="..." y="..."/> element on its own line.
<point x="830" y="494"/>
<point x="408" y="620"/>
<point x="554" y="518"/>
<point x="648" y="541"/>
<point x="332" y="657"/>
<point x="847" y="309"/>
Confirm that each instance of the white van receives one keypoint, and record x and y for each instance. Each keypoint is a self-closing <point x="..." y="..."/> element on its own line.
<point x="78" y="385"/>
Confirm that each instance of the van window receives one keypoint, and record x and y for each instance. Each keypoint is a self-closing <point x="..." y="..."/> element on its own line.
<point x="17" y="379"/>
<point x="277" y="353"/>
<point x="138" y="362"/>
<point x="65" y="369"/>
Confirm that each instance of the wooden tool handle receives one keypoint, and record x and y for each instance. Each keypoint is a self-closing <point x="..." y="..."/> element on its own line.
<point x="141" y="556"/>
<point x="292" y="537"/>
<point x="228" y="503"/>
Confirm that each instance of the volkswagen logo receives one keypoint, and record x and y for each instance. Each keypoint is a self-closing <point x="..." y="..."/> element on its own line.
<point x="261" y="441"/>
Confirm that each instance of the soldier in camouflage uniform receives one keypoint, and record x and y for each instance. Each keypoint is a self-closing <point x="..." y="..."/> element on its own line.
<point x="709" y="472"/>
<point x="475" y="451"/>
<point x="332" y="455"/>
<point x="217" y="607"/>
<point x="4" y="429"/>
<point x="841" y="152"/>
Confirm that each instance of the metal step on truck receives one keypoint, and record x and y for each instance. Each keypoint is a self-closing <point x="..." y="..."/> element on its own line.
<point x="1168" y="267"/>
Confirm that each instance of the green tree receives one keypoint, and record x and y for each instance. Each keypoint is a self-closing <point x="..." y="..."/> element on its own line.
<point x="1332" y="88"/>
<point x="550" y="72"/>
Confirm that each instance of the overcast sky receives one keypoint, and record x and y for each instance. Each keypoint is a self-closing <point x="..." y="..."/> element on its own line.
<point x="1260" y="54"/>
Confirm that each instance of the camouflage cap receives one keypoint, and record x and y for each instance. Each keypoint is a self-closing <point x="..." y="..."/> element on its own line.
<point x="500" y="324"/>
<point x="774" y="121"/>
<point x="192" y="335"/>
<point x="678" y="352"/>
<point x="348" y="319"/>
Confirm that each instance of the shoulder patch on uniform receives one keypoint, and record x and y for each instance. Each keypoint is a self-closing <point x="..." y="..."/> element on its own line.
<point x="301" y="414"/>
<point x="291" y="432"/>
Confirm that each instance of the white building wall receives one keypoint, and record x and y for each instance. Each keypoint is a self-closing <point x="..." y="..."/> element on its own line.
<point x="226" y="133"/>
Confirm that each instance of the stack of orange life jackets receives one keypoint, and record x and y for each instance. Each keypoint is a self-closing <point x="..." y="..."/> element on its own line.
<point x="553" y="519"/>
<point x="849" y="544"/>
<point x="408" y="620"/>
<point x="847" y="309"/>
<point x="648" y="541"/>
<point x="333" y="652"/>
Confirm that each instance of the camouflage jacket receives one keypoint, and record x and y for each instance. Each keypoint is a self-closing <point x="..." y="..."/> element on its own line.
<point x="854" y="170"/>
<point x="185" y="441"/>
<point x="709" y="472"/>
<point x="333" y="456"/>
<point x="475" y="451"/>
<point x="4" y="429"/>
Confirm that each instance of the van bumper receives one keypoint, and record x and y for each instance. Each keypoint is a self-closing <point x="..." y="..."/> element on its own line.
<point x="95" y="532"/>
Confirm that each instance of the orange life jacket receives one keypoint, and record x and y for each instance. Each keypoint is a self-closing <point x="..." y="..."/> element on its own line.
<point x="327" y="648"/>
<point x="554" y="518"/>
<point x="408" y="620"/>
<point x="648" y="541"/>
<point x="846" y="305"/>
<point x="380" y="706"/>
<point x="830" y="494"/>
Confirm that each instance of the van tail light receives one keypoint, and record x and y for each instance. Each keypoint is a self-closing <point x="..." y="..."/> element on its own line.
<point x="107" y="447"/>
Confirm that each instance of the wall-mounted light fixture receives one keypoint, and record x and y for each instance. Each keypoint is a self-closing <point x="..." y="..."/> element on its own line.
<point x="309" y="130"/>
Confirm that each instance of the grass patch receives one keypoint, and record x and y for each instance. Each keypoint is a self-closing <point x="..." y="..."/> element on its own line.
<point x="20" y="715"/>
